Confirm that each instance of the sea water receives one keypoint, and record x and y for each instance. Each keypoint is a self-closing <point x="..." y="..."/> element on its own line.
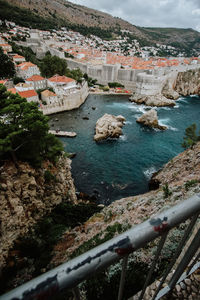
<point x="122" y="167"/>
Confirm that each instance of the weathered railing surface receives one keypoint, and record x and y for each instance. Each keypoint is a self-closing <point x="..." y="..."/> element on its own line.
<point x="70" y="274"/>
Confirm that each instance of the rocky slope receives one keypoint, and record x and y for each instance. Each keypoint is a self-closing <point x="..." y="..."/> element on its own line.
<point x="27" y="194"/>
<point x="81" y="15"/>
<point x="178" y="180"/>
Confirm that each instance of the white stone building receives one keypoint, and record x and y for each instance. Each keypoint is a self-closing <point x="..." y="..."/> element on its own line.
<point x="37" y="81"/>
<point x="27" y="69"/>
<point x="49" y="97"/>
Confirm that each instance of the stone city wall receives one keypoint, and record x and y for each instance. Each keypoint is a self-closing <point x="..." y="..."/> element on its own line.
<point x="68" y="102"/>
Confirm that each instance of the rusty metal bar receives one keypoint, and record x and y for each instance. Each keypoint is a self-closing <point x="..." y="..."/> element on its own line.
<point x="185" y="260"/>
<point x="177" y="253"/>
<point x="70" y="274"/>
<point x="158" y="252"/>
<point x="122" y="279"/>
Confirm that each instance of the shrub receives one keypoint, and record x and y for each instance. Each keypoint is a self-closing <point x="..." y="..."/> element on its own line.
<point x="190" y="183"/>
<point x="166" y="191"/>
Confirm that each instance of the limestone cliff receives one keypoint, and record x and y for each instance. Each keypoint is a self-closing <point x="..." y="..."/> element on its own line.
<point x="26" y="194"/>
<point x="188" y="83"/>
<point x="182" y="176"/>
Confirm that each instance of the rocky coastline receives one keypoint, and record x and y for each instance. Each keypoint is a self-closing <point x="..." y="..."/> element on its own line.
<point x="181" y="176"/>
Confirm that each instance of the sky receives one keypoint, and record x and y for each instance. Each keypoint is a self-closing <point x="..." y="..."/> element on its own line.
<point x="151" y="13"/>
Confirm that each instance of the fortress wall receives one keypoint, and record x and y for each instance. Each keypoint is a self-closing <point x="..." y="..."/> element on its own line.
<point x="75" y="64"/>
<point x="69" y="102"/>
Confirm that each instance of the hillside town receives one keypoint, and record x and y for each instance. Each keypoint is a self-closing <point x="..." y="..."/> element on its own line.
<point x="104" y="60"/>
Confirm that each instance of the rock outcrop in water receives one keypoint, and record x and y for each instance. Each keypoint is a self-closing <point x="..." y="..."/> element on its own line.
<point x="150" y="119"/>
<point x="109" y="126"/>
<point x="27" y="194"/>
<point x="157" y="100"/>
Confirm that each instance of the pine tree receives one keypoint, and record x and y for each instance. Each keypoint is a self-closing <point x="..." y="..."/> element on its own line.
<point x="190" y="138"/>
<point x="24" y="131"/>
<point x="7" y="68"/>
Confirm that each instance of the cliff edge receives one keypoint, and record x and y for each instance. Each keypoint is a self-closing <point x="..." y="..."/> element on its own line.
<point x="27" y="194"/>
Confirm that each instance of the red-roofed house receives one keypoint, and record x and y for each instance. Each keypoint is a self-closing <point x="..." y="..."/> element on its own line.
<point x="18" y="58"/>
<point x="49" y="97"/>
<point x="3" y="81"/>
<point x="63" y="81"/>
<point x="37" y="81"/>
<point x="6" y="47"/>
<point x="30" y="95"/>
<point x="27" y="69"/>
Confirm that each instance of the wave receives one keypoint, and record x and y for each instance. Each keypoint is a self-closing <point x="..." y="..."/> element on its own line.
<point x="149" y="172"/>
<point x="165" y="122"/>
<point x="128" y="123"/>
<point x="123" y="137"/>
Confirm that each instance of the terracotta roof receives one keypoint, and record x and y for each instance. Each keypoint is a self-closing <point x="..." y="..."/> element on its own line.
<point x="3" y="81"/>
<point x="48" y="93"/>
<point x="28" y="94"/>
<point x="13" y="90"/>
<point x="26" y="65"/>
<point x="63" y="79"/>
<point x="35" y="78"/>
<point x="18" y="56"/>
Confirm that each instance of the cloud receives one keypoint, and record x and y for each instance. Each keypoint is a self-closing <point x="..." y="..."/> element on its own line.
<point x="154" y="13"/>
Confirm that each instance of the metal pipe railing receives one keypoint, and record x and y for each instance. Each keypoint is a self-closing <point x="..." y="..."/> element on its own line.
<point x="71" y="273"/>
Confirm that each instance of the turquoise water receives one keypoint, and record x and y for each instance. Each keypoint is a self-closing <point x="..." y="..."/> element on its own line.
<point x="119" y="168"/>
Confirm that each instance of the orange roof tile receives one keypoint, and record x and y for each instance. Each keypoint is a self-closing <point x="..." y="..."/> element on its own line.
<point x="13" y="91"/>
<point x="26" y="65"/>
<point x="63" y="79"/>
<point x="3" y="81"/>
<point x="28" y="94"/>
<point x="35" y="78"/>
<point x="48" y="93"/>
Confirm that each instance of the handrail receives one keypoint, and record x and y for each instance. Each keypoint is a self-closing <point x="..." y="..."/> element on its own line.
<point x="71" y="273"/>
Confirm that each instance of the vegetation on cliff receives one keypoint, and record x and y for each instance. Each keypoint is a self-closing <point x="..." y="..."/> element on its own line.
<point x="191" y="137"/>
<point x="24" y="131"/>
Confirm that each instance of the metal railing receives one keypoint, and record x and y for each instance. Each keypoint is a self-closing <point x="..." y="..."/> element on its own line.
<point x="70" y="274"/>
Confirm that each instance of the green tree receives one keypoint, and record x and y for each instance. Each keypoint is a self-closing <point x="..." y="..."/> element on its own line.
<point x="51" y="65"/>
<point x="7" y="68"/>
<point x="190" y="138"/>
<point x="24" y="131"/>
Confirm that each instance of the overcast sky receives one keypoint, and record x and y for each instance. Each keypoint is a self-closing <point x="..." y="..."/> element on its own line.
<point x="152" y="13"/>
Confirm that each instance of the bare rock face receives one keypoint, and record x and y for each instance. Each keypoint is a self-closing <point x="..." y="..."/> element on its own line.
<point x="152" y="100"/>
<point x="169" y="92"/>
<point x="109" y="126"/>
<point x="150" y="119"/>
<point x="27" y="194"/>
<point x="187" y="83"/>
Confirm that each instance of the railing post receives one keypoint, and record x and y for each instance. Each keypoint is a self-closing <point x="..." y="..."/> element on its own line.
<point x="177" y="253"/>
<point x="122" y="279"/>
<point x="185" y="260"/>
<point x="159" y="249"/>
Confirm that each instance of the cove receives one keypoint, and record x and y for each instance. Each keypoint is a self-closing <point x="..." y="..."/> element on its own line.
<point x="119" y="168"/>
